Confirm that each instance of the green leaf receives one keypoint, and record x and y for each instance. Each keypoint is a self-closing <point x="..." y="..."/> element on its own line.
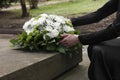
<point x="47" y="37"/>
<point x="36" y="27"/>
<point x="30" y="34"/>
<point x="71" y="32"/>
<point x="77" y="32"/>
<point x="51" y="47"/>
<point x="37" y="38"/>
<point x="29" y="38"/>
<point x="58" y="38"/>
<point x="36" y="32"/>
<point x="44" y="31"/>
<point x="61" y="49"/>
<point x="43" y="44"/>
<point x="25" y="45"/>
<point x="22" y="36"/>
<point x="31" y="48"/>
<point x="14" y="41"/>
<point x="69" y="23"/>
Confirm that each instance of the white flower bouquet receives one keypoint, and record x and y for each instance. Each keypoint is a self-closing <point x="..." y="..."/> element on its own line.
<point x="43" y="33"/>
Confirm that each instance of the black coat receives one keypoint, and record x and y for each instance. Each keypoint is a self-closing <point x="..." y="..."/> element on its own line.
<point x="111" y="32"/>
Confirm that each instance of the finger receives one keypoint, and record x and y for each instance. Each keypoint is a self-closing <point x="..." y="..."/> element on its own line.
<point x="64" y="35"/>
<point x="68" y="45"/>
<point x="63" y="41"/>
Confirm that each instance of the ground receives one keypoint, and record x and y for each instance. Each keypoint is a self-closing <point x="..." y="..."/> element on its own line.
<point x="9" y="23"/>
<point x="97" y="26"/>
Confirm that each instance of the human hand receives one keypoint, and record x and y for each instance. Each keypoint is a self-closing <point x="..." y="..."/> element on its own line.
<point x="69" y="40"/>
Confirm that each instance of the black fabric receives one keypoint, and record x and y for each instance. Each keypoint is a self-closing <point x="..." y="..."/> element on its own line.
<point x="104" y="49"/>
<point x="105" y="60"/>
<point x="109" y="8"/>
<point x="110" y="32"/>
<point x="106" y="34"/>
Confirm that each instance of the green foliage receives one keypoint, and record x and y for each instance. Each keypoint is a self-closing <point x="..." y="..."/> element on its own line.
<point x="61" y="49"/>
<point x="69" y="23"/>
<point x="36" y="42"/>
<point x="77" y="32"/>
<point x="44" y="38"/>
<point x="51" y="47"/>
<point x="6" y="3"/>
<point x="69" y="8"/>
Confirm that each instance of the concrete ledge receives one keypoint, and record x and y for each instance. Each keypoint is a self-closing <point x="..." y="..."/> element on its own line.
<point x="21" y="65"/>
<point x="10" y="31"/>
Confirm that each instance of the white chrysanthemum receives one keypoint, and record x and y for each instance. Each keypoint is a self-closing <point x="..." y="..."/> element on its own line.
<point x="57" y="26"/>
<point x="68" y="28"/>
<point x="34" y="23"/>
<point x="59" y="19"/>
<point x="32" y="19"/>
<point x="52" y="23"/>
<point x="27" y="27"/>
<point x="48" y="28"/>
<point x="54" y="33"/>
<point x="49" y="22"/>
<point x="41" y="20"/>
<point x="52" y="17"/>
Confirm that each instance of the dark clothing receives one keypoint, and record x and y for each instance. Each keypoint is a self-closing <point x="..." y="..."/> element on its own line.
<point x="105" y="60"/>
<point x="111" y="32"/>
<point x="103" y="54"/>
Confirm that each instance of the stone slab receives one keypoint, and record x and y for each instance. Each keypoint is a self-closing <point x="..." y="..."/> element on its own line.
<point x="80" y="72"/>
<point x="10" y="31"/>
<point x="25" y="65"/>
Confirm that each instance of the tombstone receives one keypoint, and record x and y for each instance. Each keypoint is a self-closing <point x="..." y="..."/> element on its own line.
<point x="26" y="65"/>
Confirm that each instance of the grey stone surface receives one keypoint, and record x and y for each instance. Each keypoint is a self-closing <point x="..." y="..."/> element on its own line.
<point x="80" y="72"/>
<point x="24" y="65"/>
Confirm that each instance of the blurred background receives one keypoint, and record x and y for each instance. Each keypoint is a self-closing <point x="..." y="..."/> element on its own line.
<point x="14" y="13"/>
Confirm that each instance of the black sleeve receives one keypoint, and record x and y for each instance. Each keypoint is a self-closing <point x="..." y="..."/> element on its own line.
<point x="109" y="8"/>
<point x="111" y="32"/>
